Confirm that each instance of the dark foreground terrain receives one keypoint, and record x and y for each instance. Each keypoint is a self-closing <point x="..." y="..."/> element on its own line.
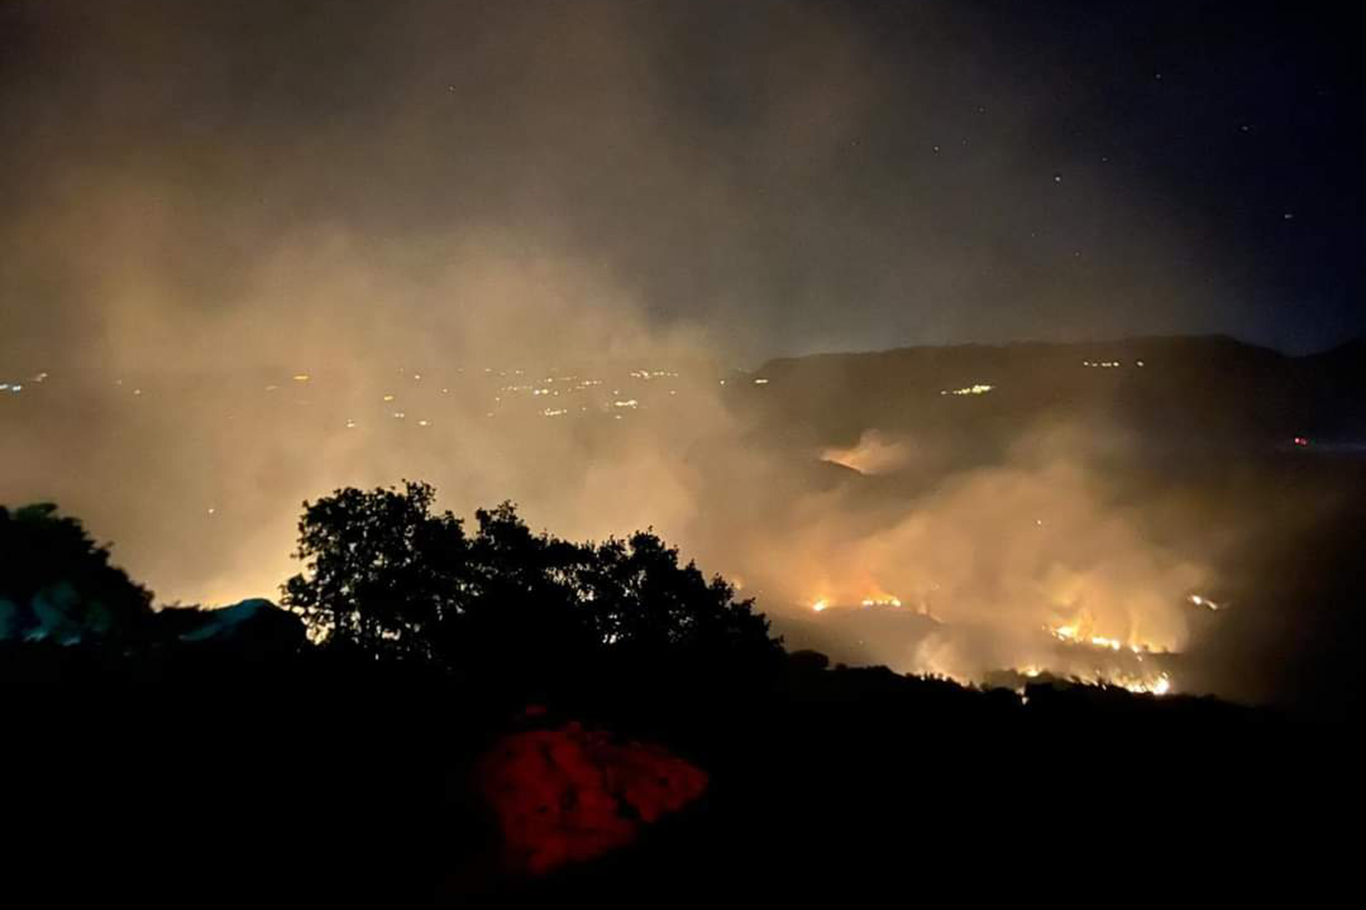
<point x="197" y="778"/>
<point x="203" y="769"/>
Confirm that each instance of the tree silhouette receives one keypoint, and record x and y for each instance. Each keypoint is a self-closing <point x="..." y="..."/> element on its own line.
<point x="527" y="612"/>
<point x="643" y="599"/>
<point x="386" y="575"/>
<point x="382" y="572"/>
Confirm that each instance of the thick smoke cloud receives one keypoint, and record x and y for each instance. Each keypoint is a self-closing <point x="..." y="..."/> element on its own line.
<point x="774" y="172"/>
<point x="207" y="199"/>
<point x="988" y="566"/>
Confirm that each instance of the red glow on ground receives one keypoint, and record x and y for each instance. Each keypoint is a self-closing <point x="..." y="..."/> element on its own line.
<point x="570" y="795"/>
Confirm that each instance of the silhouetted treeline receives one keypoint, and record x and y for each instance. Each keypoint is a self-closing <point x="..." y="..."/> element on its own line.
<point x="1186" y="393"/>
<point x="386" y="576"/>
<point x="193" y="756"/>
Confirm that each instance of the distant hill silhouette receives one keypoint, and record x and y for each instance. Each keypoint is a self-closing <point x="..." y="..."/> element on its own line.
<point x="1211" y="390"/>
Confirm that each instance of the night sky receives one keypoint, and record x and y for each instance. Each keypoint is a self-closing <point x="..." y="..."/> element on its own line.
<point x="785" y="177"/>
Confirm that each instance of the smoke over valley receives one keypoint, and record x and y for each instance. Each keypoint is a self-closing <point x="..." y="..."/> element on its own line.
<point x="602" y="261"/>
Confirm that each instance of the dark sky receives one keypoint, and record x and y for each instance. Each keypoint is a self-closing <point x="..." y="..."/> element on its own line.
<point x="785" y="176"/>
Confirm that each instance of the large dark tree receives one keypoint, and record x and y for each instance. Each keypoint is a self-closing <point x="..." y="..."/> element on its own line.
<point x="643" y="599"/>
<point x="387" y="575"/>
<point x="382" y="572"/>
<point x="527" y="611"/>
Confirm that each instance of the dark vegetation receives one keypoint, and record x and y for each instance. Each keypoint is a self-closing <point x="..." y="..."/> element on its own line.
<point x="203" y="757"/>
<point x="387" y="578"/>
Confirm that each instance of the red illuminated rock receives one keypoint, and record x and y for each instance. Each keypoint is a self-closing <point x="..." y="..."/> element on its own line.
<point x="570" y="794"/>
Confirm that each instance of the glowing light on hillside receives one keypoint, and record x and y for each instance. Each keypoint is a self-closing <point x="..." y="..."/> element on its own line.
<point x="820" y="605"/>
<point x="1066" y="633"/>
<point x="1079" y="633"/>
<point x="1159" y="685"/>
<point x="978" y="389"/>
<point x="1205" y="602"/>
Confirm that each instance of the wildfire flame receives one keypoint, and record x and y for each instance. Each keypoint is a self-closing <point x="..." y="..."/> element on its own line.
<point x="1080" y="633"/>
<point x="1086" y="651"/>
<point x="1158" y="684"/>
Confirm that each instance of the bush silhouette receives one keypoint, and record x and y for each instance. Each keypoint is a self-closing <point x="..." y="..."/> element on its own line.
<point x="57" y="583"/>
